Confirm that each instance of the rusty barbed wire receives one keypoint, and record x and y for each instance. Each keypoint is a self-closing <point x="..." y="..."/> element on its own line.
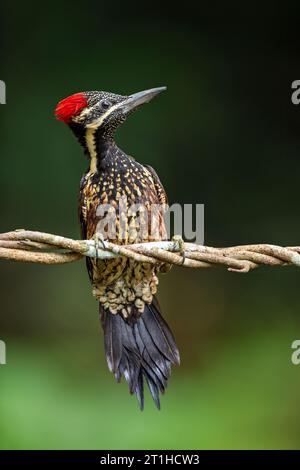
<point x="45" y="248"/>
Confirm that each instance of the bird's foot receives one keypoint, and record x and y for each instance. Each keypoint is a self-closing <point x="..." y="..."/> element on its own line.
<point x="165" y="268"/>
<point x="99" y="243"/>
<point x="179" y="246"/>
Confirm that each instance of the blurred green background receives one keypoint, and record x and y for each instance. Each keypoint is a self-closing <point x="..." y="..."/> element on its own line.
<point x="225" y="134"/>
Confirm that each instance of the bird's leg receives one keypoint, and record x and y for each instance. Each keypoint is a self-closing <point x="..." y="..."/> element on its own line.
<point x="99" y="243"/>
<point x="179" y="246"/>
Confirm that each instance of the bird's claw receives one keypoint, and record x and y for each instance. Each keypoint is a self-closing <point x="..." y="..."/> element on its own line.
<point x="179" y="246"/>
<point x="99" y="243"/>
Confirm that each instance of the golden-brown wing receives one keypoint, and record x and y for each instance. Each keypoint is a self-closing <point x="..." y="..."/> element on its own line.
<point x="162" y="200"/>
<point x="160" y="190"/>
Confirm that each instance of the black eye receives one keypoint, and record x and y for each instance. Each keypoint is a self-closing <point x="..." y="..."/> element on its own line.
<point x="105" y="104"/>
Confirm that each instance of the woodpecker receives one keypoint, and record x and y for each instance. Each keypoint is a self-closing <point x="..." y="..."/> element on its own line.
<point x="138" y="343"/>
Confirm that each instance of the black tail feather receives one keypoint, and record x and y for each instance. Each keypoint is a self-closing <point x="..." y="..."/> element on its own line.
<point x="144" y="349"/>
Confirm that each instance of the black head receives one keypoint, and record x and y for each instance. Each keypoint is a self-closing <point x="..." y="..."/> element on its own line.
<point x="100" y="111"/>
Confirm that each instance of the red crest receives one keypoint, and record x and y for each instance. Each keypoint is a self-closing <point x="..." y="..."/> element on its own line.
<point x="70" y="107"/>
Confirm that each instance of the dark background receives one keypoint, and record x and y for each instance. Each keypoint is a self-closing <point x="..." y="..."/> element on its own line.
<point x="225" y="134"/>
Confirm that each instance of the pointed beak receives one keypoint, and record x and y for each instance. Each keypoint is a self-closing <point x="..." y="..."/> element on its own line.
<point x="142" y="97"/>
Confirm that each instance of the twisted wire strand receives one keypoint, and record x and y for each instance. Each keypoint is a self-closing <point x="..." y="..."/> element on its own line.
<point x="45" y="248"/>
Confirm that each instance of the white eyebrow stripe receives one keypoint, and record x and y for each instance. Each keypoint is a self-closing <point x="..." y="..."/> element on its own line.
<point x="97" y="123"/>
